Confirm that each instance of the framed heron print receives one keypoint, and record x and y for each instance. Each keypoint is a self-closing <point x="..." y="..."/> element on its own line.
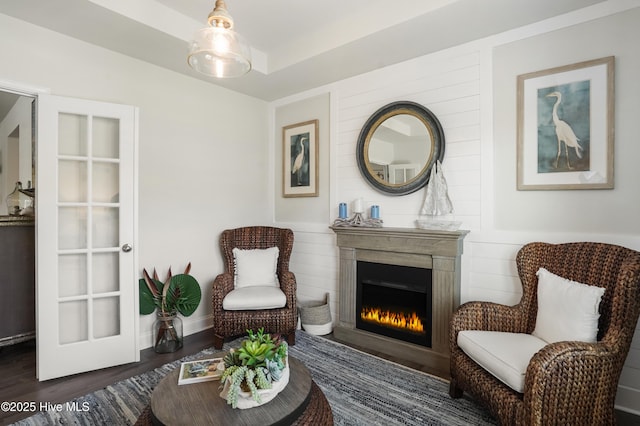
<point x="300" y="159"/>
<point x="566" y="127"/>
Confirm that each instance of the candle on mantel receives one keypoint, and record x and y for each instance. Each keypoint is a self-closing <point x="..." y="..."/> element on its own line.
<point x="375" y="212"/>
<point x="342" y="210"/>
<point x="358" y="205"/>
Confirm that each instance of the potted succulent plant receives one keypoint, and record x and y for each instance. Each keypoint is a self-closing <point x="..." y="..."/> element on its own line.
<point x="178" y="294"/>
<point x="256" y="371"/>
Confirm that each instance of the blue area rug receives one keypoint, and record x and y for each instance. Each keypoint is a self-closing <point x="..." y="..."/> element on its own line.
<point x="362" y="390"/>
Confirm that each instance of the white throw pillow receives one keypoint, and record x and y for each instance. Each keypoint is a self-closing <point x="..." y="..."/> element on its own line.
<point x="567" y="310"/>
<point x="256" y="267"/>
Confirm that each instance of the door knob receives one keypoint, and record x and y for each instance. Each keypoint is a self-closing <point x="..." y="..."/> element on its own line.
<point x="126" y="248"/>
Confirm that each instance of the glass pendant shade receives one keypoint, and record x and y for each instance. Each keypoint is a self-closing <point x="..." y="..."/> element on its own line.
<point x="219" y="52"/>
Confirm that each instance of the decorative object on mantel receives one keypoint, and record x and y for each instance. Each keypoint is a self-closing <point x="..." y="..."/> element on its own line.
<point x="358" y="206"/>
<point x="375" y="212"/>
<point x="358" y="218"/>
<point x="342" y="211"/>
<point x="437" y="209"/>
<point x="179" y="293"/>
<point x="20" y="201"/>
<point x="256" y="372"/>
<point x="217" y="50"/>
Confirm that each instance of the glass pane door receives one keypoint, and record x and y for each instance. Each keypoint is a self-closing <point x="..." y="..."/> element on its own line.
<point x="85" y="214"/>
<point x="88" y="212"/>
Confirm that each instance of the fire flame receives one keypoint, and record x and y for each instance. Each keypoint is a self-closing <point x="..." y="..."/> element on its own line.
<point x="400" y="320"/>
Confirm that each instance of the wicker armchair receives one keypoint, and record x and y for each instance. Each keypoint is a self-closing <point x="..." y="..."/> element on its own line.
<point x="566" y="382"/>
<point x="234" y="323"/>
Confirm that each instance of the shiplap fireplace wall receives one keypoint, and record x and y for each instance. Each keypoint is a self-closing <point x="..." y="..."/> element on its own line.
<point x="438" y="251"/>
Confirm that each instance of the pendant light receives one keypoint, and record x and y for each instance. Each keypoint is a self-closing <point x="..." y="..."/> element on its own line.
<point x="217" y="50"/>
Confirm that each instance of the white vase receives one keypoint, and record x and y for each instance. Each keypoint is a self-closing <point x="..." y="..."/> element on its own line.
<point x="245" y="399"/>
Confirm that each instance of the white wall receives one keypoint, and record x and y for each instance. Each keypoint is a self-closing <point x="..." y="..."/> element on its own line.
<point x="202" y="149"/>
<point x="471" y="89"/>
<point x="15" y="149"/>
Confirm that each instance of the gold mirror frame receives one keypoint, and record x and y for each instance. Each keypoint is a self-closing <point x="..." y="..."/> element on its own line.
<point x="435" y="139"/>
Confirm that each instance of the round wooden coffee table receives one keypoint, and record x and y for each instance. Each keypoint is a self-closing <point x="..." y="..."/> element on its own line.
<point x="301" y="402"/>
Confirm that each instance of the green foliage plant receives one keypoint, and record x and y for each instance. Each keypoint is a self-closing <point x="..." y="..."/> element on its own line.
<point x="179" y="293"/>
<point x="256" y="364"/>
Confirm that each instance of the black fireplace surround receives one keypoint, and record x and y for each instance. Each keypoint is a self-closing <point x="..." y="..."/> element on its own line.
<point x="394" y="301"/>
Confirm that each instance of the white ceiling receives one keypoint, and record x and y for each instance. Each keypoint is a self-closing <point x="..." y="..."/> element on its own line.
<point x="297" y="44"/>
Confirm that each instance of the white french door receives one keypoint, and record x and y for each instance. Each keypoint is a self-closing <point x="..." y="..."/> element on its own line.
<point x="86" y="284"/>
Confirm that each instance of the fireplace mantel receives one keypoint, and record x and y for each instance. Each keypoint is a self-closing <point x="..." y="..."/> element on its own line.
<point x="439" y="251"/>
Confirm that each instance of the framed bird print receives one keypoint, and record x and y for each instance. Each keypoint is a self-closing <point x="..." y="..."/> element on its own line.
<point x="300" y="159"/>
<point x="565" y="127"/>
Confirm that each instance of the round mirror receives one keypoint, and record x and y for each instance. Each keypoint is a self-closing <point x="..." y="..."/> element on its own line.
<point x="397" y="147"/>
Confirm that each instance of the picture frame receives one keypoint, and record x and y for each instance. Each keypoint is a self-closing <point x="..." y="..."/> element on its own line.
<point x="300" y="159"/>
<point x="202" y="370"/>
<point x="566" y="127"/>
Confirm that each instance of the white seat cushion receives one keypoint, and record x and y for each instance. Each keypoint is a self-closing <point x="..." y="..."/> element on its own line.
<point x="505" y="355"/>
<point x="567" y="310"/>
<point x="254" y="298"/>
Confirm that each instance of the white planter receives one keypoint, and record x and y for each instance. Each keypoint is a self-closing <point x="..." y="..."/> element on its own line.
<point x="245" y="400"/>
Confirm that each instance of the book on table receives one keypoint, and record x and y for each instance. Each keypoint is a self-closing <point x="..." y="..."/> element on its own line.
<point x="201" y="370"/>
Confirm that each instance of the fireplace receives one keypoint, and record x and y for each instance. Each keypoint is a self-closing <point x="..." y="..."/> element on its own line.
<point x="394" y="301"/>
<point x="393" y="252"/>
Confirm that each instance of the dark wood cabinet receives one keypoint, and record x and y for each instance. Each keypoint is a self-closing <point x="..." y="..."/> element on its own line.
<point x="17" y="279"/>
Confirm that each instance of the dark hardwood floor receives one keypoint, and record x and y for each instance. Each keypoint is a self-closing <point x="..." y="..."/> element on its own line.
<point x="19" y="383"/>
<point x="18" y="374"/>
